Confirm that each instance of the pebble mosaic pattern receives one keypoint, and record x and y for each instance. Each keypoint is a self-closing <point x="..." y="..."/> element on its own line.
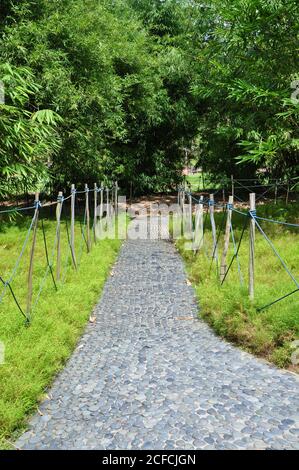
<point x="148" y="374"/>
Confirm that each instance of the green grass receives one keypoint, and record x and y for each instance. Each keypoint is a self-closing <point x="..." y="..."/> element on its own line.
<point x="228" y="309"/>
<point x="34" y="354"/>
<point x="197" y="182"/>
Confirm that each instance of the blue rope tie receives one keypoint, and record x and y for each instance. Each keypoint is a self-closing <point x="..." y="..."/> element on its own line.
<point x="252" y="214"/>
<point x="230" y="207"/>
<point x="211" y="203"/>
<point x="37" y="204"/>
<point x="60" y="198"/>
<point x="279" y="222"/>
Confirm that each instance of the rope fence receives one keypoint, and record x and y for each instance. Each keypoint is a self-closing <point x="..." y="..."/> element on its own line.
<point x="251" y="219"/>
<point x="108" y="196"/>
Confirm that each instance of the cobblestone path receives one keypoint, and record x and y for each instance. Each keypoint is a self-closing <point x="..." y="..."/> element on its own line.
<point x="149" y="375"/>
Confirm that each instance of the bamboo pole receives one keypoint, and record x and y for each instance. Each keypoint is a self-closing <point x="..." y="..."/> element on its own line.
<point x="58" y="218"/>
<point x="252" y="248"/>
<point x="233" y="186"/>
<point x="223" y="266"/>
<point x="73" y="202"/>
<point x="31" y="261"/>
<point x="87" y="218"/>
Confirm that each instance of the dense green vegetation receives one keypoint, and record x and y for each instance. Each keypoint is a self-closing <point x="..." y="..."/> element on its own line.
<point x="129" y="90"/>
<point x="126" y="89"/>
<point x="268" y="333"/>
<point x="33" y="355"/>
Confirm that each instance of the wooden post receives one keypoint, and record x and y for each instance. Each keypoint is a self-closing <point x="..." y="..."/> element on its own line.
<point x="190" y="215"/>
<point x="107" y="203"/>
<point x="87" y="218"/>
<point x="95" y="208"/>
<point x="116" y="198"/>
<point x="73" y="201"/>
<point x="112" y="197"/>
<point x="233" y="186"/>
<point x="58" y="218"/>
<point x="198" y="236"/>
<point x="251" y="248"/>
<point x="30" y="272"/>
<point x="213" y="226"/>
<point x="223" y="266"/>
<point x="183" y="205"/>
<point x="102" y="200"/>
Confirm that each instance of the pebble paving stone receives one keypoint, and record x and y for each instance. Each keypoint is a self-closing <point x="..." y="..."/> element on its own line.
<point x="149" y="374"/>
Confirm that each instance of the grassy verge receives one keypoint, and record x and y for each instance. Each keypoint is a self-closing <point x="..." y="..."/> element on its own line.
<point x="34" y="354"/>
<point x="227" y="309"/>
<point x="197" y="181"/>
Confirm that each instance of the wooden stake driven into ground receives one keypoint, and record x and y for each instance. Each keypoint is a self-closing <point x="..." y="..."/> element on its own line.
<point x="73" y="201"/>
<point x="198" y="236"/>
<point x="87" y="218"/>
<point x="251" y="247"/>
<point x="190" y="221"/>
<point x="112" y="198"/>
<point x="183" y="205"/>
<point x="30" y="272"/>
<point x="181" y="200"/>
<point x="213" y="226"/>
<point x="107" y="203"/>
<point x="102" y="199"/>
<point x="58" y="218"/>
<point x="223" y="266"/>
<point x="116" y="198"/>
<point x="95" y="208"/>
